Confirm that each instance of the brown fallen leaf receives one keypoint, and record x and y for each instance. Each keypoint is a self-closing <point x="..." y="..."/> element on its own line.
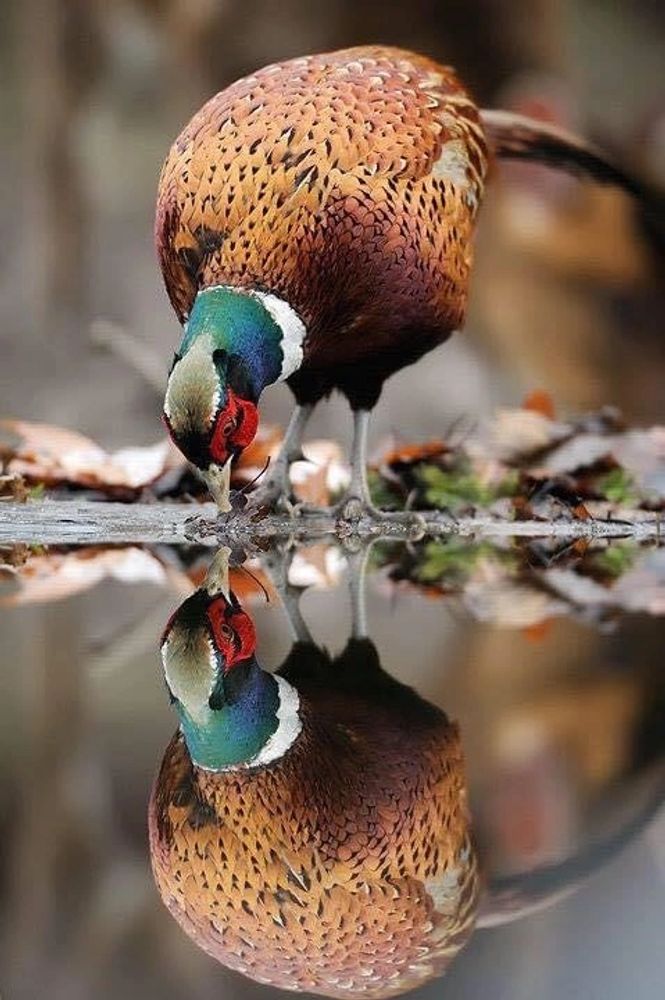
<point x="264" y="447"/>
<point x="54" y="456"/>
<point x="408" y="454"/>
<point x="316" y="480"/>
<point x="12" y="557"/>
<point x="36" y="453"/>
<point x="13" y="488"/>
<point x="322" y="476"/>
<point x="541" y="402"/>
<point x="640" y="453"/>
<point x="515" y="434"/>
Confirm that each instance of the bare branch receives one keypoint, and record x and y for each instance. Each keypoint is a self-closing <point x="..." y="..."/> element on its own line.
<point x="75" y="522"/>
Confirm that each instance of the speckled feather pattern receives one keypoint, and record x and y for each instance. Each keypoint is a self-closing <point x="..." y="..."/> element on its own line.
<point x="345" y="868"/>
<point x="345" y="183"/>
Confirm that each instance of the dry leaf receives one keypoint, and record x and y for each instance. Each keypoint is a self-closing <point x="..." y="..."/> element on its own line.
<point x="13" y="488"/>
<point x="541" y="402"/>
<point x="408" y="454"/>
<point x="251" y="463"/>
<point x="640" y="453"/>
<point x="322" y="476"/>
<point x="55" y="456"/>
<point x="514" y="434"/>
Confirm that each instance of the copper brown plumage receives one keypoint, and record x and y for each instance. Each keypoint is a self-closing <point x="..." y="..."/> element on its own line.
<point x="348" y="185"/>
<point x="345" y="868"/>
<point x="315" y="224"/>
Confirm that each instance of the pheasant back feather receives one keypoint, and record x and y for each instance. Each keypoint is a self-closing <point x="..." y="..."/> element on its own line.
<point x="345" y="183"/>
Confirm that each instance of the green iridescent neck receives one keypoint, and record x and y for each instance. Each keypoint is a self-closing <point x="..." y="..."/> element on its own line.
<point x="255" y="722"/>
<point x="254" y="329"/>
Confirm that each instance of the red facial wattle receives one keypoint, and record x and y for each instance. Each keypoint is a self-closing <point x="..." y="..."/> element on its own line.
<point x="235" y="427"/>
<point x="233" y="631"/>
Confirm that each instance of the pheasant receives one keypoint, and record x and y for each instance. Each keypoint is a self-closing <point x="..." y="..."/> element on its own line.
<point x="308" y="828"/>
<point x="314" y="225"/>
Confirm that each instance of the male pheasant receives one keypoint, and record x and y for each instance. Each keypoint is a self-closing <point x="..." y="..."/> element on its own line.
<point x="310" y="828"/>
<point x="314" y="224"/>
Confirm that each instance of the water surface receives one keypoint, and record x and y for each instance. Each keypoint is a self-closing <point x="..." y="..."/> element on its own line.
<point x="495" y="740"/>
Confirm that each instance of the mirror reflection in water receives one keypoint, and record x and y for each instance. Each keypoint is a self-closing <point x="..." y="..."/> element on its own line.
<point x="355" y="810"/>
<point x="309" y="828"/>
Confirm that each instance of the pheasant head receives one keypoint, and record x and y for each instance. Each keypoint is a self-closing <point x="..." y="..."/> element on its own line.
<point x="236" y="342"/>
<point x="233" y="714"/>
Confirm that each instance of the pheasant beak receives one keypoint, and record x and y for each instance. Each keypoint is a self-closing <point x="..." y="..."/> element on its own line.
<point x="218" y="481"/>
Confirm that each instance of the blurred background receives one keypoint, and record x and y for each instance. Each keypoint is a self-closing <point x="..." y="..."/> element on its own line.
<point x="567" y="296"/>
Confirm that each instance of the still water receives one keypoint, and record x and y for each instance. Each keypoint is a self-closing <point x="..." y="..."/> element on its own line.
<point x="438" y="769"/>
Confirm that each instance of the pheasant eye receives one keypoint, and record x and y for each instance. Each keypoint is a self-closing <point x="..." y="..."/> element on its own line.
<point x="229" y="426"/>
<point x="226" y="631"/>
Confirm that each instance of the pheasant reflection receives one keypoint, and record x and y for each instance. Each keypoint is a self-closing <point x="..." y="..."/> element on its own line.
<point x="309" y="828"/>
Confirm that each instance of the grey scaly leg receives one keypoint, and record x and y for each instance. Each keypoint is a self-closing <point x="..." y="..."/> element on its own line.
<point x="359" y="486"/>
<point x="277" y="484"/>
<point x="357" y="563"/>
<point x="277" y="561"/>
<point x="358" y="500"/>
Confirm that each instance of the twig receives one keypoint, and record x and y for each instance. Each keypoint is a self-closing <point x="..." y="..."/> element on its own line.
<point x="139" y="356"/>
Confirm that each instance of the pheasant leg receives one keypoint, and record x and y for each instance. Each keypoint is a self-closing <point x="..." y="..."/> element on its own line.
<point x="357" y="502"/>
<point x="275" y="490"/>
